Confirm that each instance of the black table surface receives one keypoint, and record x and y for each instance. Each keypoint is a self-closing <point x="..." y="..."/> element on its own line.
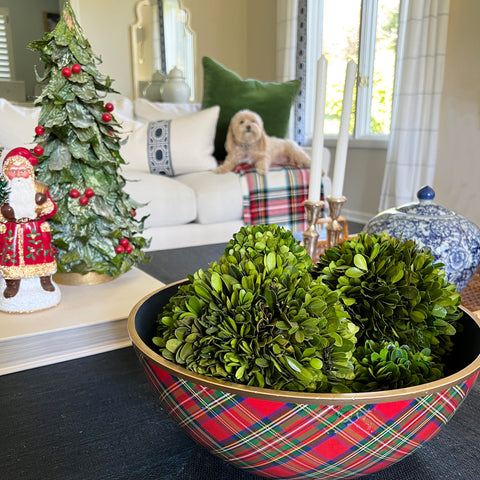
<point x="172" y="265"/>
<point x="97" y="418"/>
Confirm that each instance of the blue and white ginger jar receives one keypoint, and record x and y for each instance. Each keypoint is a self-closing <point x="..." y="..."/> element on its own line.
<point x="452" y="239"/>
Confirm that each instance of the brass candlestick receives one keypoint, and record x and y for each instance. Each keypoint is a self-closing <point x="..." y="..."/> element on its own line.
<point x="334" y="228"/>
<point x="310" y="236"/>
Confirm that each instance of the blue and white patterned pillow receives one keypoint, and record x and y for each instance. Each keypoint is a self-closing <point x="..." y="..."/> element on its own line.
<point x="158" y="148"/>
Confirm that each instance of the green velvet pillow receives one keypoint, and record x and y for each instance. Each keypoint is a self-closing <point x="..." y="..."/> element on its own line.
<point x="272" y="101"/>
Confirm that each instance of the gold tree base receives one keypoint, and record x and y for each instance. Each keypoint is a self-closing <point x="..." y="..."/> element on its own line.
<point x="91" y="278"/>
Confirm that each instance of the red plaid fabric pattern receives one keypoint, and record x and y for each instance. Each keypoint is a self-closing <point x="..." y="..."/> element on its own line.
<point x="299" y="441"/>
<point x="275" y="198"/>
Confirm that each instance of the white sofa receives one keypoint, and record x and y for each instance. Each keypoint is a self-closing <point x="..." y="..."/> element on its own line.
<point x="190" y="208"/>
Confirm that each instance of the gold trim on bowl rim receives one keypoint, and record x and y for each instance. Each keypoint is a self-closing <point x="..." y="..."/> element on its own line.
<point x="284" y="396"/>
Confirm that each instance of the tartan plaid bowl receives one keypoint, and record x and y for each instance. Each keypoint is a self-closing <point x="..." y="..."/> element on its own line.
<point x="297" y="435"/>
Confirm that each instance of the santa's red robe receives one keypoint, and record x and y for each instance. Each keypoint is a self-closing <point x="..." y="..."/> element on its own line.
<point x="26" y="248"/>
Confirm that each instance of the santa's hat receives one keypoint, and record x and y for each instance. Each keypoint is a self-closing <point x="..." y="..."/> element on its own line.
<point x="20" y="155"/>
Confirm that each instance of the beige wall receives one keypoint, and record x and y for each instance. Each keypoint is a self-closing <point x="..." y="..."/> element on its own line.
<point x="363" y="182"/>
<point x="261" y="40"/>
<point x="106" y="24"/>
<point x="220" y="27"/>
<point x="457" y="179"/>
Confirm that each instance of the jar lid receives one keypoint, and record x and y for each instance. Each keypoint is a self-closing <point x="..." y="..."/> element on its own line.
<point x="158" y="76"/>
<point x="425" y="206"/>
<point x="174" y="73"/>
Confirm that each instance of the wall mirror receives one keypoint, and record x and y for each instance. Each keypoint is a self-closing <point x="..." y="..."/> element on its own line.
<point x="161" y="39"/>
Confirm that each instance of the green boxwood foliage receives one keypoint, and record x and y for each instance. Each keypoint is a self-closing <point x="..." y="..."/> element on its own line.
<point x="401" y="301"/>
<point x="257" y="317"/>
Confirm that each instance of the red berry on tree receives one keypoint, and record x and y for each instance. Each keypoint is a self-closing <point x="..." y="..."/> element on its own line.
<point x="38" y="150"/>
<point x="124" y="242"/>
<point x="83" y="201"/>
<point x="39" y="130"/>
<point x="74" y="193"/>
<point x="66" y="72"/>
<point x="89" y="192"/>
<point x="106" y="117"/>
<point x="128" y="249"/>
<point x="76" y="68"/>
<point x="133" y="212"/>
<point x="109" y="107"/>
<point x="119" y="249"/>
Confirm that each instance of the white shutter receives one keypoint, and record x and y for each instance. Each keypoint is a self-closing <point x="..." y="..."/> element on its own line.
<point x="5" y="47"/>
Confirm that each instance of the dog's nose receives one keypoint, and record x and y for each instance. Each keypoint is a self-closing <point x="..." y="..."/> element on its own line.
<point x="248" y="128"/>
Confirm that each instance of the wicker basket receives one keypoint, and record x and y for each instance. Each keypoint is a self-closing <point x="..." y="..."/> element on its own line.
<point x="322" y="245"/>
<point x="471" y="294"/>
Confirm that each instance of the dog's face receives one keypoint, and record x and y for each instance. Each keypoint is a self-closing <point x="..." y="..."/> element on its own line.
<point x="246" y="127"/>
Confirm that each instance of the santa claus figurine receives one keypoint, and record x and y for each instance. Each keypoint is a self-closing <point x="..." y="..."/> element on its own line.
<point x="27" y="259"/>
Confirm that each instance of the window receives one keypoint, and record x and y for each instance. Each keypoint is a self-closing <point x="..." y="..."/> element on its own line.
<point x="366" y="32"/>
<point x="6" y="64"/>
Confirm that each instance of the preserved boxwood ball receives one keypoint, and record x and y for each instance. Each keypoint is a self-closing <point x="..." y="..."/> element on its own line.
<point x="257" y="317"/>
<point x="401" y="301"/>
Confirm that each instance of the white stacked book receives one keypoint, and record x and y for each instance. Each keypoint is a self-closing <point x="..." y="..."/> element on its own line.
<point x="89" y="319"/>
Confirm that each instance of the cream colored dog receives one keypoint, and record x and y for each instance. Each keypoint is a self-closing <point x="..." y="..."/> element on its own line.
<point x="247" y="142"/>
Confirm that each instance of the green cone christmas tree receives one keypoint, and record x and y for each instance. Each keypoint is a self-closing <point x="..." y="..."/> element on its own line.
<point x="4" y="190"/>
<point x="78" y="145"/>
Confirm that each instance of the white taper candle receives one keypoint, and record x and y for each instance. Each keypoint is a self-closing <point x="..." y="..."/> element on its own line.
<point x="342" y="143"/>
<point x="317" y="140"/>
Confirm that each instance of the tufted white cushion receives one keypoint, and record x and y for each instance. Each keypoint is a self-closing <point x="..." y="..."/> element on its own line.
<point x="168" y="202"/>
<point x="218" y="196"/>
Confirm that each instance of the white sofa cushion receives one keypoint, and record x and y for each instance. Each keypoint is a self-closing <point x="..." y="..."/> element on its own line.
<point x="123" y="106"/>
<point x="218" y="196"/>
<point x="173" y="147"/>
<point x="169" y="202"/>
<point x="147" y="111"/>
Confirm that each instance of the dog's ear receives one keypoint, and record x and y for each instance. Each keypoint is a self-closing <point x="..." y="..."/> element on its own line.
<point x="230" y="140"/>
<point x="262" y="142"/>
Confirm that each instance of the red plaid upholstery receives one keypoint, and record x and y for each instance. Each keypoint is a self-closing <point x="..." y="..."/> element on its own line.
<point x="275" y="198"/>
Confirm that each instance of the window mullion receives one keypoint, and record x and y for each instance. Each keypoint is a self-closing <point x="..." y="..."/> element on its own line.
<point x="366" y="59"/>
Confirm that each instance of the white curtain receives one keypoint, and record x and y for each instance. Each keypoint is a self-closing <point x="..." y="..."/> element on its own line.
<point x="286" y="39"/>
<point x="412" y="150"/>
<point x="287" y="46"/>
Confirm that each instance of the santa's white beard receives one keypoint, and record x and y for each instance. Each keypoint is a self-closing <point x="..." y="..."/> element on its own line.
<point x="22" y="198"/>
